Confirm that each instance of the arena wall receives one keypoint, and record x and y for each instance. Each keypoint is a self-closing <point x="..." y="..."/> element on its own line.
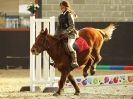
<point x="93" y="10"/>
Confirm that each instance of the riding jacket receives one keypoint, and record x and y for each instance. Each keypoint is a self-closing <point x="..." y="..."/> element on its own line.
<point x="66" y="25"/>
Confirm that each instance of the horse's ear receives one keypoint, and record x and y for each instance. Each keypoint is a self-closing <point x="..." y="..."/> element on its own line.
<point x="45" y="32"/>
<point x="42" y="31"/>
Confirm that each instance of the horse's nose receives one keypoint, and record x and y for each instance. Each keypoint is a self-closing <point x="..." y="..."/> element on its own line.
<point x="33" y="50"/>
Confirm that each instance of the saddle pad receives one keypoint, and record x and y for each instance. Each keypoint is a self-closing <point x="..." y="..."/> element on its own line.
<point x="81" y="45"/>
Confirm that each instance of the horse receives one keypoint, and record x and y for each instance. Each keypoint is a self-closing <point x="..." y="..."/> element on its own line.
<point x="62" y="60"/>
<point x="95" y="38"/>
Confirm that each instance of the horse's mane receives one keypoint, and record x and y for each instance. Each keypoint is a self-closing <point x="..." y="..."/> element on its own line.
<point x="56" y="40"/>
<point x="52" y="36"/>
<point x="60" y="43"/>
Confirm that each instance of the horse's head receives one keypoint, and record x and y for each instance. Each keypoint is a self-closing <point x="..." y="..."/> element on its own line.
<point x="40" y="43"/>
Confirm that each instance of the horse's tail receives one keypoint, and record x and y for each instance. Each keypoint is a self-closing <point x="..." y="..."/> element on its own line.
<point x="108" y="31"/>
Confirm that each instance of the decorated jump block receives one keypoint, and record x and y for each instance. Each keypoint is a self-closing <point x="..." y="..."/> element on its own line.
<point x="102" y="80"/>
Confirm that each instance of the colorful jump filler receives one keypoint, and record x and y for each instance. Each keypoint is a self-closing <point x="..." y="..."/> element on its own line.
<point x="103" y="80"/>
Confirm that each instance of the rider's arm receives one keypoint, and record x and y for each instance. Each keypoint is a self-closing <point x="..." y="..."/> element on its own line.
<point x="71" y="23"/>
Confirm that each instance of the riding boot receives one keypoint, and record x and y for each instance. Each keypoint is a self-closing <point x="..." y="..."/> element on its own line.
<point x="74" y="60"/>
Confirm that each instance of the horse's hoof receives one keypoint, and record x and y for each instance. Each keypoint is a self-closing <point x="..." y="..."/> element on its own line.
<point x="85" y="75"/>
<point x="77" y="93"/>
<point x="56" y="94"/>
<point x="92" y="72"/>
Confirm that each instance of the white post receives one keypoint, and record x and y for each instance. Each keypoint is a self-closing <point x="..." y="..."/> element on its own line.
<point x="52" y="25"/>
<point x="46" y="58"/>
<point x="32" y="57"/>
<point x="38" y="57"/>
<point x="52" y="32"/>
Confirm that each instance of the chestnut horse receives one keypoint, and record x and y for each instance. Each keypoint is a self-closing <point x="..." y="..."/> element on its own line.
<point x="89" y="58"/>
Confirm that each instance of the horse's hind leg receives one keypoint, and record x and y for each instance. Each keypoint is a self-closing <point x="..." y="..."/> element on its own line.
<point x="71" y="79"/>
<point x="61" y="83"/>
<point x="97" y="59"/>
<point x="88" y="65"/>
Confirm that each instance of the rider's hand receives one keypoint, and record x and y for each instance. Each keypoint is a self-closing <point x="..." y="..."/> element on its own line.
<point x="62" y="34"/>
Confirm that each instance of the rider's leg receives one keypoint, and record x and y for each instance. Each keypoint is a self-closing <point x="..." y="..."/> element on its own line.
<point x="70" y="44"/>
<point x="73" y="52"/>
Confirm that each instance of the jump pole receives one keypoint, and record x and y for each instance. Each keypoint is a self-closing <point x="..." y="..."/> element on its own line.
<point x="114" y="67"/>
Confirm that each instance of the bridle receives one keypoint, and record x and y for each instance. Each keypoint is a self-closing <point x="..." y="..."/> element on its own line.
<point x="45" y="46"/>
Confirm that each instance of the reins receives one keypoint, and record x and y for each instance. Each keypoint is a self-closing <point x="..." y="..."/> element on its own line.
<point x="49" y="46"/>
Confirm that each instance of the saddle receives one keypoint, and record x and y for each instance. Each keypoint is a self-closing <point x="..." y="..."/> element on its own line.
<point x="79" y="46"/>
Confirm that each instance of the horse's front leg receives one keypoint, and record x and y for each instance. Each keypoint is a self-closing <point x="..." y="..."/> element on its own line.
<point x="71" y="79"/>
<point x="61" y="83"/>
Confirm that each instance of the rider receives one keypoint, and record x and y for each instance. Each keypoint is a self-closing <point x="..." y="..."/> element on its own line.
<point x="66" y="26"/>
